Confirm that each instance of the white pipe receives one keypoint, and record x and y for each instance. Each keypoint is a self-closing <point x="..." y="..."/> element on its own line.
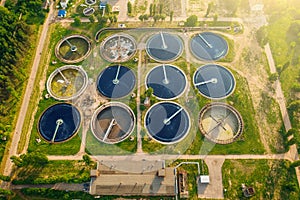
<point x="213" y="80"/>
<point x="58" y="123"/>
<point x="116" y="80"/>
<point x="165" y="81"/>
<point x="205" y="41"/>
<point x="163" y="40"/>
<point x="166" y="121"/>
<point x="111" y="124"/>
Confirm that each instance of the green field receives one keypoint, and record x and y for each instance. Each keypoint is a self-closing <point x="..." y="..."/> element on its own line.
<point x="270" y="179"/>
<point x="55" y="172"/>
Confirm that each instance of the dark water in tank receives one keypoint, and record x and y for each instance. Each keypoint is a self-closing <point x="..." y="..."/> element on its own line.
<point x="167" y="133"/>
<point x="122" y="116"/>
<point x="125" y="85"/>
<point x="224" y="86"/>
<point x="155" y="47"/>
<point x="202" y="51"/>
<point x="173" y="88"/>
<point x="71" y="122"/>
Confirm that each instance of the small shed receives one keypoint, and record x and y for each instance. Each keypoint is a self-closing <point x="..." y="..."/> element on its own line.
<point x="64" y="3"/>
<point x="102" y="5"/>
<point x="204" y="179"/>
<point x="62" y="13"/>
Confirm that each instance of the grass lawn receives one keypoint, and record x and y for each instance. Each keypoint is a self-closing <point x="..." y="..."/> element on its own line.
<point x="271" y="179"/>
<point x="55" y="172"/>
<point x="282" y="52"/>
<point x="95" y="147"/>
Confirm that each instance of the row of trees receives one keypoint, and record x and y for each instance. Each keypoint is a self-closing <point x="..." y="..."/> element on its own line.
<point x="18" y="22"/>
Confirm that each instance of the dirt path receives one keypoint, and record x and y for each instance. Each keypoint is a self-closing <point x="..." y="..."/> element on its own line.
<point x="213" y="190"/>
<point x="30" y="86"/>
<point x="2" y="3"/>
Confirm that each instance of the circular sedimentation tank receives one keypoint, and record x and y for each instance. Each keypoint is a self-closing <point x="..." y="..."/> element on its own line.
<point x="116" y="81"/>
<point x="214" y="81"/>
<point x="167" y="81"/>
<point x="59" y="123"/>
<point x="208" y="46"/>
<point x="113" y="122"/>
<point x="90" y="2"/>
<point x="118" y="48"/>
<point x="73" y="48"/>
<point x="164" y="47"/>
<point x="167" y="122"/>
<point x="67" y="82"/>
<point x="88" y="11"/>
<point x="220" y="123"/>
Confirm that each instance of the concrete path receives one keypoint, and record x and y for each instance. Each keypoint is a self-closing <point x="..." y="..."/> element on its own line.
<point x="213" y="190"/>
<point x="278" y="90"/>
<point x="138" y="102"/>
<point x="30" y="86"/>
<point x="2" y="3"/>
<point x="143" y="156"/>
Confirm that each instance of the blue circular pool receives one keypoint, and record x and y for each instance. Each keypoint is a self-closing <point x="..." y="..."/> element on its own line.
<point x="214" y="81"/>
<point x="116" y="81"/>
<point x="167" y="81"/>
<point x="164" y="47"/>
<point x="167" y="122"/>
<point x="208" y="46"/>
<point x="59" y="122"/>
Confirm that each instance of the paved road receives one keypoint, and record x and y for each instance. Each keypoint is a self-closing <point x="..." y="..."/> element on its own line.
<point x="138" y="102"/>
<point x="30" y="86"/>
<point x="139" y="156"/>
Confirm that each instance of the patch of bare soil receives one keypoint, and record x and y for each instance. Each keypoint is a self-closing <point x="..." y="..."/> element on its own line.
<point x="251" y="63"/>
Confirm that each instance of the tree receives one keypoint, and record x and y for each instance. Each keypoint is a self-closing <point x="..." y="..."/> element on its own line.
<point x="291" y="142"/>
<point x="92" y="18"/>
<point x="33" y="159"/>
<point x="154" y="10"/>
<point x="273" y="77"/>
<point x="296" y="163"/>
<point x="156" y="18"/>
<point x="262" y="36"/>
<point x="209" y="8"/>
<point x="151" y="10"/>
<point x="115" y="18"/>
<point x="292" y="131"/>
<point x="191" y="21"/>
<point x="77" y="21"/>
<point x="171" y="15"/>
<point x="215" y="17"/>
<point x="129" y="8"/>
<point x="146" y="17"/>
<point x="163" y="17"/>
<point x="86" y="159"/>
<point x="141" y="17"/>
<point x="108" y="8"/>
<point x="149" y="92"/>
<point x="102" y="20"/>
<point x="160" y="8"/>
